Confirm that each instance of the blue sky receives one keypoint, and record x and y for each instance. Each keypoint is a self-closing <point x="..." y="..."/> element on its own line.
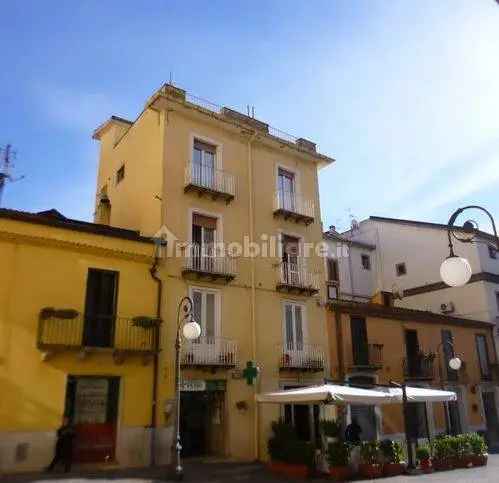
<point x="403" y="93"/>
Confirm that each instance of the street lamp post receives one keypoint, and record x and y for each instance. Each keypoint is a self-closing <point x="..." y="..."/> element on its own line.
<point x="190" y="330"/>
<point x="456" y="271"/>
<point x="455" y="363"/>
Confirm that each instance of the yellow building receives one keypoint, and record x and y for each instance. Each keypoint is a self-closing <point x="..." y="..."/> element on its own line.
<point x="75" y="302"/>
<point x="375" y="343"/>
<point x="220" y="186"/>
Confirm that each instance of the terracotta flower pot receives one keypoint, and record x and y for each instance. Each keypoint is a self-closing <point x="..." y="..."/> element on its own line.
<point x="426" y="465"/>
<point x="371" y="470"/>
<point x="289" y="470"/>
<point x="393" y="469"/>
<point x="340" y="473"/>
<point x="479" y="460"/>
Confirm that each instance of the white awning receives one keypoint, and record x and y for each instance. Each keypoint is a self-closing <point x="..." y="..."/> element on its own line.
<point x="423" y="394"/>
<point x="339" y="394"/>
<point x="327" y="393"/>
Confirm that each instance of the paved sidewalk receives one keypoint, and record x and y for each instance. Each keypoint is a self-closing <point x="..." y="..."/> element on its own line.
<point x="246" y="473"/>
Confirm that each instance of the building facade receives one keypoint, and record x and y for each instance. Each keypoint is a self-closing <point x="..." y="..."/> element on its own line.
<point x="238" y="203"/>
<point x="376" y="340"/>
<point x="72" y="342"/>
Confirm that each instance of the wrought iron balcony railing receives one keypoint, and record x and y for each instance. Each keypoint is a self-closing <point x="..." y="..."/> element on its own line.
<point x="207" y="180"/>
<point x="213" y="352"/>
<point x="202" y="261"/>
<point x="301" y="357"/>
<point x="420" y="367"/>
<point x="293" y="206"/>
<point x="123" y="334"/>
<point x="294" y="277"/>
<point x="369" y="356"/>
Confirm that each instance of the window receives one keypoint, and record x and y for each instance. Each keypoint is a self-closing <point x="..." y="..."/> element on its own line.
<point x="400" y="269"/>
<point x="483" y="356"/>
<point x="286" y="190"/>
<point x="360" y="346"/>
<point x="294" y="326"/>
<point x="366" y="261"/>
<point x="203" y="241"/>
<point x="492" y="252"/>
<point x="206" y="312"/>
<point x="332" y="270"/>
<point x="120" y="174"/>
<point x="497" y="300"/>
<point x="203" y="163"/>
<point x="290" y="262"/>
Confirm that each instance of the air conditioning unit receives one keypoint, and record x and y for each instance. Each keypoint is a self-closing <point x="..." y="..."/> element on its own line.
<point x="447" y="308"/>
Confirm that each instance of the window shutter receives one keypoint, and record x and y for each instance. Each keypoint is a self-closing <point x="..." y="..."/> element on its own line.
<point x="197" y="299"/>
<point x="210" y="315"/>
<point x="298" y="328"/>
<point x="289" y="327"/>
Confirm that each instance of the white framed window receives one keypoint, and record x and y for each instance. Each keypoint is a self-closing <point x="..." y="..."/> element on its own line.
<point x="206" y="310"/>
<point x="365" y="260"/>
<point x="294" y="326"/>
<point x="400" y="269"/>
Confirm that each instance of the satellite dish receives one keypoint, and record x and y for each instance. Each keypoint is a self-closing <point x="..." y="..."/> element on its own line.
<point x="397" y="292"/>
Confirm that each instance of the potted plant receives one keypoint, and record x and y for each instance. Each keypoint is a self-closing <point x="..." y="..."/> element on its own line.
<point x="393" y="455"/>
<point x="478" y="446"/>
<point x="338" y="455"/>
<point x="331" y="429"/>
<point x="443" y="454"/>
<point x="289" y="456"/>
<point x="370" y="467"/>
<point x="423" y="455"/>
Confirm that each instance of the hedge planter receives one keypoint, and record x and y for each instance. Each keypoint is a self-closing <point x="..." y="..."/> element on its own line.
<point x="479" y="460"/>
<point x="289" y="470"/>
<point x="463" y="462"/>
<point x="340" y="473"/>
<point x="393" y="469"/>
<point x="368" y="470"/>
<point x="442" y="464"/>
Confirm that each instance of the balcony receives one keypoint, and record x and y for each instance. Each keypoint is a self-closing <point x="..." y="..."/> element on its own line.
<point x="292" y="206"/>
<point x="368" y="357"/>
<point x="207" y="181"/>
<point x="79" y="332"/>
<point x="209" y="352"/>
<point x="295" y="278"/>
<point x="301" y="357"/>
<point x="203" y="263"/>
<point x="420" y="367"/>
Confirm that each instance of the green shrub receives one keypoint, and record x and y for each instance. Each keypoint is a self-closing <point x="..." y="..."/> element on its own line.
<point x="330" y="427"/>
<point x="443" y="447"/>
<point x="285" y="446"/>
<point x="423" y="453"/>
<point x="369" y="452"/>
<point x="338" y="454"/>
<point x="392" y="451"/>
<point x="478" y="446"/>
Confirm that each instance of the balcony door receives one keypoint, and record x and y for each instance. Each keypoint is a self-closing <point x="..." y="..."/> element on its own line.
<point x="412" y="353"/>
<point x="100" y="308"/>
<point x="290" y="266"/>
<point x="203" y="239"/>
<point x="294" y="335"/>
<point x="203" y="164"/>
<point x="206" y="349"/>
<point x="286" y="190"/>
<point x="360" y="348"/>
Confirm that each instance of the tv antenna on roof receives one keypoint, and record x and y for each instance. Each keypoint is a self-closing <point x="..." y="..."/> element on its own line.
<point x="7" y="155"/>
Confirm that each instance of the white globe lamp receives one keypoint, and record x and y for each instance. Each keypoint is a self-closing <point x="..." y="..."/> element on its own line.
<point x="455" y="363"/>
<point x="455" y="271"/>
<point x="191" y="330"/>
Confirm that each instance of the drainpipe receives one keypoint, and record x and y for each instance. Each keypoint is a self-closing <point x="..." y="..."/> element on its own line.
<point x="154" y="274"/>
<point x="253" y="290"/>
